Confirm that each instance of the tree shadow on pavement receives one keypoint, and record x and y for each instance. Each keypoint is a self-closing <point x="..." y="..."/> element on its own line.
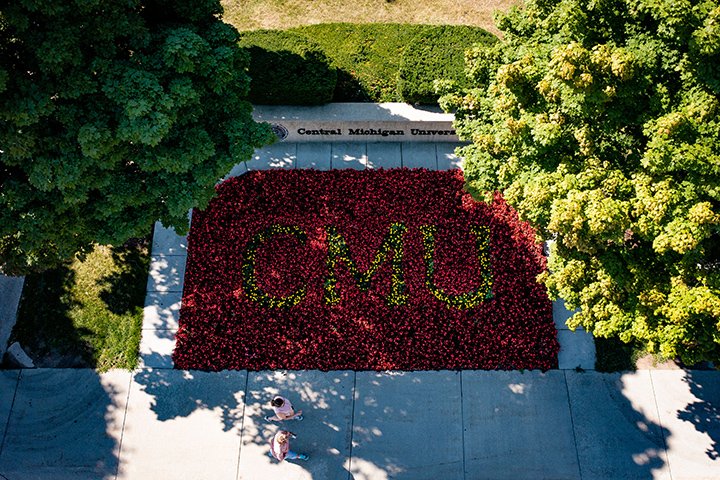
<point x="179" y="393"/>
<point x="61" y="423"/>
<point x="704" y="412"/>
<point x="240" y="399"/>
<point x="617" y="429"/>
<point x="418" y="425"/>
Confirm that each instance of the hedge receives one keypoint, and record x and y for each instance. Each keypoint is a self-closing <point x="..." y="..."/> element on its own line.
<point x="369" y="57"/>
<point x="287" y="69"/>
<point x="436" y="53"/>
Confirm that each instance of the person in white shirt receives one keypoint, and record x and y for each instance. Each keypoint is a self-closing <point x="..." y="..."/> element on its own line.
<point x="283" y="410"/>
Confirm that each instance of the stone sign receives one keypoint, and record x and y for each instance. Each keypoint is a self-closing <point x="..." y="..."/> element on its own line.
<point x="358" y="122"/>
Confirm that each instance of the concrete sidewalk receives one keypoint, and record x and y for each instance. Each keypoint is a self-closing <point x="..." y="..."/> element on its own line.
<point x="170" y="424"/>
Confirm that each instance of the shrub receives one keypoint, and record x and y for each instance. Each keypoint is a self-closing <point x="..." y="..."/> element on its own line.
<point x="436" y="53"/>
<point x="287" y="69"/>
<point x="367" y="57"/>
<point x="365" y="62"/>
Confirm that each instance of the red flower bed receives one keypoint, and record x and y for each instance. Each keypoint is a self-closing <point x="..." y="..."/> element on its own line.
<point x="373" y="270"/>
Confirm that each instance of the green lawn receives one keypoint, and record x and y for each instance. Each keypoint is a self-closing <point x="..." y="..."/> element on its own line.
<point x="282" y="14"/>
<point x="88" y="313"/>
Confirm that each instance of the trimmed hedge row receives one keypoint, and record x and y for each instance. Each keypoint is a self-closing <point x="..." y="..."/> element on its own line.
<point x="288" y="69"/>
<point x="363" y="62"/>
<point x="436" y="53"/>
<point x="367" y="57"/>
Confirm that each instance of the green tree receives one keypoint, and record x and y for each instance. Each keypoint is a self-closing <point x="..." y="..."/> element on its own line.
<point x="113" y="114"/>
<point x="599" y="120"/>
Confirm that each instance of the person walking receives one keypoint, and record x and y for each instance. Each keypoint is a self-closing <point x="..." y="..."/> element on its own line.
<point x="280" y="447"/>
<point x="283" y="410"/>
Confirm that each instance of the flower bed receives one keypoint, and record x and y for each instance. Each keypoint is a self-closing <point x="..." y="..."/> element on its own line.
<point x="373" y="270"/>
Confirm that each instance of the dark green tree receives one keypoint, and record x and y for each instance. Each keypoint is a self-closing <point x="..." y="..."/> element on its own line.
<point x="600" y="122"/>
<point x="113" y="114"/>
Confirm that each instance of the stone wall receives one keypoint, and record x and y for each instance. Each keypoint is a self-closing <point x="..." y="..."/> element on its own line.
<point x="10" y="292"/>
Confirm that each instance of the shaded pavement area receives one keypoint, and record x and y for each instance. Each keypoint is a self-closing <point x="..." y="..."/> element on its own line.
<point x="162" y="423"/>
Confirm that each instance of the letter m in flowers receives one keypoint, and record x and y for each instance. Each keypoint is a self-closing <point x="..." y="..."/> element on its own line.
<point x="474" y="297"/>
<point x="338" y="252"/>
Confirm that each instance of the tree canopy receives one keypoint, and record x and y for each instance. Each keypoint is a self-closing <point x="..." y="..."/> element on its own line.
<point x="113" y="115"/>
<point x="599" y="120"/>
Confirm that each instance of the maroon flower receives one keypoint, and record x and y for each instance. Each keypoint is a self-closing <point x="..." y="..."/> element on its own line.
<point x="299" y="269"/>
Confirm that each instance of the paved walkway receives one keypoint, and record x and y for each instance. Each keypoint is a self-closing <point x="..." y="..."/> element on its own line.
<point x="159" y="423"/>
<point x="169" y="424"/>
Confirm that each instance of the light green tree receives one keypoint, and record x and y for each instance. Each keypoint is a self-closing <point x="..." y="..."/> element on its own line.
<point x="113" y="115"/>
<point x="600" y="122"/>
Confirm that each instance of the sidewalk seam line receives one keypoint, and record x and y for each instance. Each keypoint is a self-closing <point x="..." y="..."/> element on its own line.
<point x="367" y="158"/>
<point x="662" y="429"/>
<point x="462" y="425"/>
<point x="352" y="425"/>
<point x="122" y="429"/>
<point x="572" y="424"/>
<point x="242" y="422"/>
<point x="12" y="406"/>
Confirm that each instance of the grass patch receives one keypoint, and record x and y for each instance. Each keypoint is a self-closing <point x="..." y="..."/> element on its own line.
<point x="87" y="313"/>
<point x="281" y="14"/>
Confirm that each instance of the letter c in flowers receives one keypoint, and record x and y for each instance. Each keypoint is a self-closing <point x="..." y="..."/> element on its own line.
<point x="249" y="282"/>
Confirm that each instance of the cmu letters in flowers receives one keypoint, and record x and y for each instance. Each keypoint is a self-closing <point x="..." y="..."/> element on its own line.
<point x="373" y="270"/>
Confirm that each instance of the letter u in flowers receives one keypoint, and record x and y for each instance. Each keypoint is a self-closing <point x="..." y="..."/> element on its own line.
<point x="474" y="297"/>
